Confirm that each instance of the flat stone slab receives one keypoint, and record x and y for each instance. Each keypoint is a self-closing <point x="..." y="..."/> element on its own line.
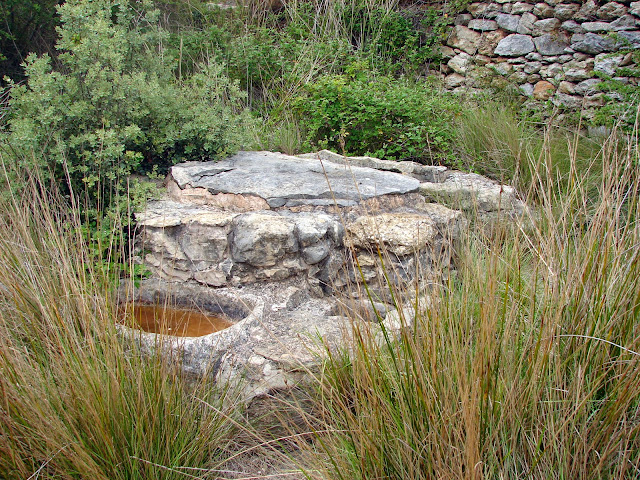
<point x="286" y="181"/>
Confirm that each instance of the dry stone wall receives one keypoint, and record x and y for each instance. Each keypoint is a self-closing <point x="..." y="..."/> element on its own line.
<point x="553" y="50"/>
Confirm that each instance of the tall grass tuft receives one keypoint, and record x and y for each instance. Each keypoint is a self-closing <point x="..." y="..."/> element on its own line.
<point x="76" y="400"/>
<point x="525" y="365"/>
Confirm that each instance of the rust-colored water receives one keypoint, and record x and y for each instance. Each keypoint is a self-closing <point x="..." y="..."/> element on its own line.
<point x="175" y="321"/>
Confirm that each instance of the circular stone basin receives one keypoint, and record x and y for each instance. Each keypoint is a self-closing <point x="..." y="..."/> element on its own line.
<point x="175" y="321"/>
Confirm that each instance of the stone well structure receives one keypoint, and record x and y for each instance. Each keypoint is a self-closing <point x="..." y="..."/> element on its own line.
<point x="295" y="239"/>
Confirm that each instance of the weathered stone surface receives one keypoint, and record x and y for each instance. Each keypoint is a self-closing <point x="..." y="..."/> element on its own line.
<point x="508" y="22"/>
<point x="464" y="38"/>
<point x="545" y="26"/>
<point x="543" y="90"/>
<point x="587" y="87"/>
<point x="587" y="11"/>
<point x="629" y="38"/>
<point x="260" y="239"/>
<point x="569" y="101"/>
<point x="567" y="88"/>
<point x="454" y="80"/>
<point x="611" y="11"/>
<point x="489" y="41"/>
<point x="565" y="11"/>
<point x="282" y="180"/>
<point x="626" y="22"/>
<point x="463" y="19"/>
<point x="543" y="10"/>
<point x="483" y="25"/>
<point x="593" y="43"/>
<point x="472" y="192"/>
<point x="634" y="8"/>
<point x="526" y="23"/>
<point x="572" y="26"/>
<point x="607" y="63"/>
<point x="461" y="63"/>
<point x="549" y="44"/>
<point x="521" y="7"/>
<point x="597" y="27"/>
<point x="515" y="45"/>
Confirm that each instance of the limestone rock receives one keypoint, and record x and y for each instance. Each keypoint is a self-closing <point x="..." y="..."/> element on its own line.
<point x="515" y="45"/>
<point x="260" y="239"/>
<point x="549" y="44"/>
<point x="611" y="11"/>
<point x="471" y="192"/>
<point x="587" y="87"/>
<point x="626" y="22"/>
<point x="525" y="26"/>
<point x="593" y="43"/>
<point x="454" y="80"/>
<point x="508" y="22"/>
<point x="634" y="9"/>
<point x="607" y="63"/>
<point x="597" y="27"/>
<point x="565" y="11"/>
<point x="460" y="63"/>
<point x="545" y="26"/>
<point x="587" y="11"/>
<point x="464" y="38"/>
<point x="521" y="7"/>
<point x="483" y="25"/>
<point x="543" y="10"/>
<point x="564" y="100"/>
<point x="282" y="180"/>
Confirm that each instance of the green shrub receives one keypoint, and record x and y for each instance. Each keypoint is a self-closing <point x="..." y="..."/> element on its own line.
<point x="112" y="106"/>
<point x="379" y="116"/>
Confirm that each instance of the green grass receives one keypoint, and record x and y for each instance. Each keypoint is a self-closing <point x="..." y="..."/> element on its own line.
<point x="78" y="400"/>
<point x="526" y="364"/>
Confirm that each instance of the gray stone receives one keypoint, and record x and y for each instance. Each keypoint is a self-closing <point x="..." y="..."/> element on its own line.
<point x="454" y="80"/>
<point x="502" y="68"/>
<point x="461" y="63"/>
<point x="483" y="25"/>
<point x="526" y="89"/>
<point x="295" y="180"/>
<point x="597" y="26"/>
<point x="464" y="38"/>
<point x="593" y="43"/>
<point x="526" y="23"/>
<point x="545" y="26"/>
<point x="568" y="101"/>
<point x="463" y="19"/>
<point x="565" y="11"/>
<point x="587" y="11"/>
<point x="572" y="26"/>
<point x="629" y="39"/>
<point x="607" y="63"/>
<point x="567" y="88"/>
<point x="515" y="45"/>
<point x="521" y="7"/>
<point x="550" y="44"/>
<point x="534" y="56"/>
<point x="261" y="239"/>
<point x="611" y="11"/>
<point x="471" y="192"/>
<point x="532" y="67"/>
<point x="543" y="10"/>
<point x="626" y="22"/>
<point x="576" y="74"/>
<point x="587" y="87"/>
<point x="506" y="8"/>
<point x="634" y="9"/>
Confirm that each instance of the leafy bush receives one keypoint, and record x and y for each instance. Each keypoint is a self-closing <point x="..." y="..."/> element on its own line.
<point x="379" y="116"/>
<point x="113" y="107"/>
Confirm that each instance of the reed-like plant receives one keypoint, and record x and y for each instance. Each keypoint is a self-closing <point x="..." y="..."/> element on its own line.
<point x="77" y="400"/>
<point x="524" y="365"/>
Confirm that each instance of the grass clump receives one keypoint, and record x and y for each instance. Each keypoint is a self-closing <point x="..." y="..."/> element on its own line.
<point x="525" y="364"/>
<point x="78" y="400"/>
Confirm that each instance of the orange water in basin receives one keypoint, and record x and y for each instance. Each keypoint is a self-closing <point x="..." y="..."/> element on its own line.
<point x="173" y="321"/>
